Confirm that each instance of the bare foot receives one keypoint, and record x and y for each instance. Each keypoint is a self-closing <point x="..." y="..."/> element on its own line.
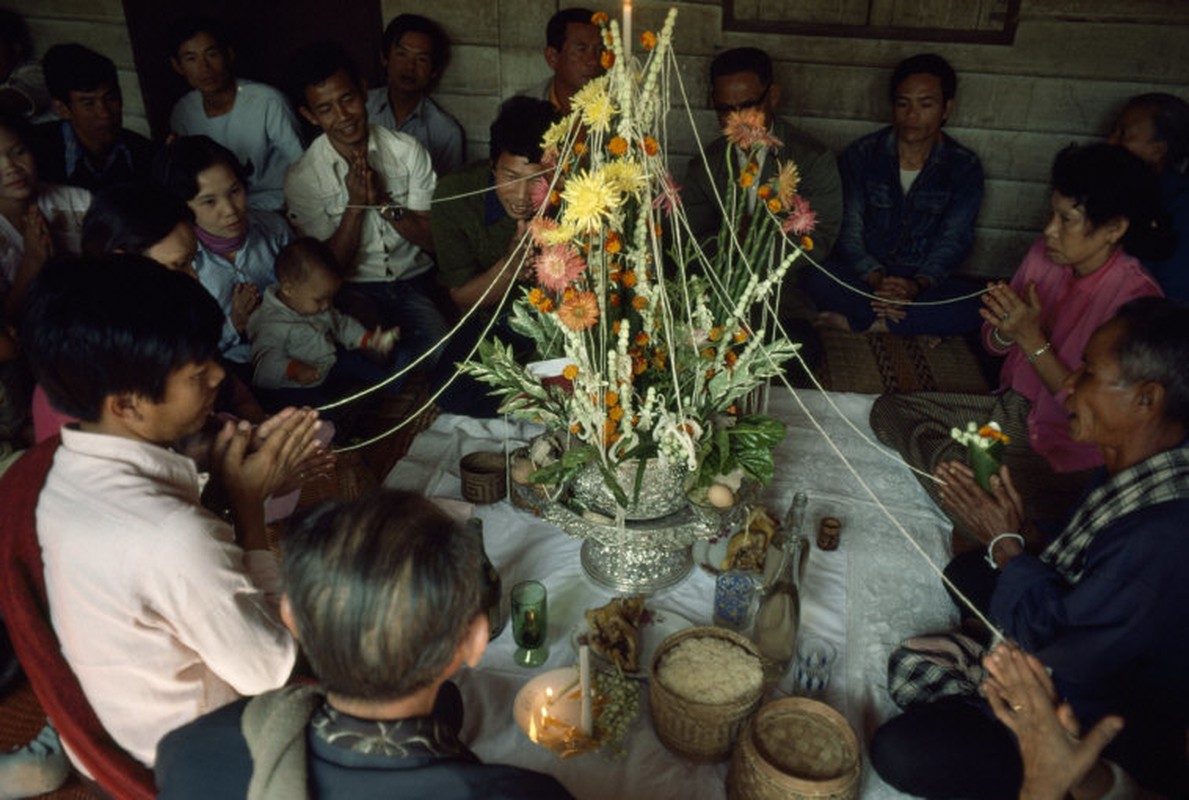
<point x="832" y="320"/>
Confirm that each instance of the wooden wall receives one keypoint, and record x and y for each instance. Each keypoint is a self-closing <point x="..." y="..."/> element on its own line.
<point x="1072" y="65"/>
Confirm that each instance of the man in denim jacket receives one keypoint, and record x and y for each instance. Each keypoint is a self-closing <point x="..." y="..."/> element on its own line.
<point x="911" y="196"/>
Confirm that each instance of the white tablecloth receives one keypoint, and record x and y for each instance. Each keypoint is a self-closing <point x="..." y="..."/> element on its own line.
<point x="866" y="596"/>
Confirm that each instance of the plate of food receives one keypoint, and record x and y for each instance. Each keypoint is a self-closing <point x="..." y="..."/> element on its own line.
<point x="626" y="633"/>
<point x="753" y="546"/>
<point x="549" y="710"/>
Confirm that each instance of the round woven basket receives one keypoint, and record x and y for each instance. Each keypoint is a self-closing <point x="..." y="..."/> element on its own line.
<point x="698" y="731"/>
<point x="795" y="748"/>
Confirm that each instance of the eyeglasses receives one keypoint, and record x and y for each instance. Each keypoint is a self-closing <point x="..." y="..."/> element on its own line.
<point x="723" y="109"/>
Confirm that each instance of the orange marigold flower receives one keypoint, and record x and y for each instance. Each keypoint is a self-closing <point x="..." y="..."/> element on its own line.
<point x="774" y="205"/>
<point x="607" y="59"/>
<point x="580" y="148"/>
<point x="575" y="428"/>
<point x="639" y="365"/>
<point x="546" y="305"/>
<point x="709" y="353"/>
<point x="599" y="18"/>
<point x="639" y="303"/>
<point x="615" y="325"/>
<point x="715" y="333"/>
<point x="579" y="312"/>
<point x="731" y="357"/>
<point x="764" y="191"/>
<point x="710" y="373"/>
<point x="616" y="413"/>
<point x="613" y="301"/>
<point x="746" y="179"/>
<point x="611" y="398"/>
<point x="740" y="336"/>
<point x="651" y="146"/>
<point x="617" y="146"/>
<point x="570" y="372"/>
<point x="568" y="293"/>
<point x="535" y="297"/>
<point x="658" y="360"/>
<point x="629" y="278"/>
<point x="612" y="243"/>
<point x="806" y="243"/>
<point x="642" y="338"/>
<point x="555" y="198"/>
<point x="658" y="229"/>
<point x="648" y="40"/>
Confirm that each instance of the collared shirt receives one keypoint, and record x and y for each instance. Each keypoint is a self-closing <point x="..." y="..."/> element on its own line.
<point x="316" y="192"/>
<point x="63" y="208"/>
<point x="260" y="129"/>
<point x="267" y="234"/>
<point x="927" y="232"/>
<point x="438" y="132"/>
<point x="471" y="232"/>
<point x="160" y="614"/>
<point x="76" y="155"/>
<point x="1072" y="308"/>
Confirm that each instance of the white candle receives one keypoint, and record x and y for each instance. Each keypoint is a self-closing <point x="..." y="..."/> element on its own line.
<point x="584" y="680"/>
<point x="627" y="27"/>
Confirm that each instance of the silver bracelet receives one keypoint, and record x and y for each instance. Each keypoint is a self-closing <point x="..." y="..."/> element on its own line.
<point x="1046" y="347"/>
<point x="997" y="337"/>
<point x="991" y="547"/>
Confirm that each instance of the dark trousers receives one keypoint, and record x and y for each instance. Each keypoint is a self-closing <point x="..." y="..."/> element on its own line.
<point x="951" y="319"/>
<point x="352" y="372"/>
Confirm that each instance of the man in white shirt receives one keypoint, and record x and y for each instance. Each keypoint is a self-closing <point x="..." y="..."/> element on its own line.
<point x="162" y="609"/>
<point x="366" y="192"/>
<point x="250" y="119"/>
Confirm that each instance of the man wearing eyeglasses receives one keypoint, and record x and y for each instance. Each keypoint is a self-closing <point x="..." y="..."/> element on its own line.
<point x="741" y="79"/>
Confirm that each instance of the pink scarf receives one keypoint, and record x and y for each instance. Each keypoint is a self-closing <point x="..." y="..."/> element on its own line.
<point x="219" y="245"/>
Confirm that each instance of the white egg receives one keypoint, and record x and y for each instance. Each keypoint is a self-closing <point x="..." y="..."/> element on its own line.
<point x="720" y="496"/>
<point x="521" y="469"/>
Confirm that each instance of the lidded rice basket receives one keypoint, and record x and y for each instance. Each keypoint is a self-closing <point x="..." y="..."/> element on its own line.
<point x="795" y="748"/>
<point x="700" y="731"/>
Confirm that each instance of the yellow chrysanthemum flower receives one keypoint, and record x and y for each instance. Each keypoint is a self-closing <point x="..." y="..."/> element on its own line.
<point x="628" y="177"/>
<point x="787" y="181"/>
<point x="589" y="200"/>
<point x="556" y="134"/>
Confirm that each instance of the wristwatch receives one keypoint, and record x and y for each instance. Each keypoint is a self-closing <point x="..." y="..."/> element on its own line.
<point x="391" y="212"/>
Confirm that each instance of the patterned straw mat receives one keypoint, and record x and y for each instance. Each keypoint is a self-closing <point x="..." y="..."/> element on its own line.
<point x="877" y="363"/>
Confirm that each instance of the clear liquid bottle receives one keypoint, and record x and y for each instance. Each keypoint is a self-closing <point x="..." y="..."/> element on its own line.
<point x="493" y="586"/>
<point x="779" y="616"/>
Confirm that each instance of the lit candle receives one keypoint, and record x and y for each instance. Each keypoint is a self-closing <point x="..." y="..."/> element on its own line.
<point x="627" y="28"/>
<point x="584" y="680"/>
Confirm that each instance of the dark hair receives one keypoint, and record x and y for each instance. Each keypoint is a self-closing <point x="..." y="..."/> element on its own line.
<point x="95" y="327"/>
<point x="19" y="126"/>
<point x="439" y="43"/>
<point x="297" y="260"/>
<point x="1170" y="121"/>
<point x="520" y="127"/>
<point x="1109" y="182"/>
<point x="14" y="31"/>
<point x="74" y="68"/>
<point x="178" y="164"/>
<point x="742" y="59"/>
<point x="555" y="30"/>
<point x="1154" y="346"/>
<point x="383" y="591"/>
<point x="131" y="217"/>
<point x="183" y="29"/>
<point x="926" y="64"/>
<point x="315" y="63"/>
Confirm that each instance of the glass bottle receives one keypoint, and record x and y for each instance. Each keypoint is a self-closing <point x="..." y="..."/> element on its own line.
<point x="493" y="586"/>
<point x="779" y="615"/>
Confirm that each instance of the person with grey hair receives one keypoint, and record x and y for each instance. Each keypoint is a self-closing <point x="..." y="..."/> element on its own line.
<point x="1155" y="127"/>
<point x="1103" y="604"/>
<point x="383" y="596"/>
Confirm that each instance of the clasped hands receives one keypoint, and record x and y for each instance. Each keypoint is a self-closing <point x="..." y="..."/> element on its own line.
<point x="1016" y="318"/>
<point x="254" y="462"/>
<point x="984" y="514"/>
<point x="895" y="288"/>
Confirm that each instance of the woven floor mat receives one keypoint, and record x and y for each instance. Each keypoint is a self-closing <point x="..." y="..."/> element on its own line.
<point x="877" y="363"/>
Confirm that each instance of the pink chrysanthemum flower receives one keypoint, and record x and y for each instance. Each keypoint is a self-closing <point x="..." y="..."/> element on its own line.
<point x="558" y="266"/>
<point x="746" y="129"/>
<point x="800" y="220"/>
<point x="669" y="196"/>
<point x="579" y="311"/>
<point x="538" y="226"/>
<point x="539" y="193"/>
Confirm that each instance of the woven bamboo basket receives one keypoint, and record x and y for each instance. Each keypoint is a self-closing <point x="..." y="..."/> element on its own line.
<point x="483" y="477"/>
<point x="795" y="749"/>
<point x="701" y="732"/>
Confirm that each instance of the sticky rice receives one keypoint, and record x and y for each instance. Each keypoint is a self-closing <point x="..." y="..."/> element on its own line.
<point x="707" y="670"/>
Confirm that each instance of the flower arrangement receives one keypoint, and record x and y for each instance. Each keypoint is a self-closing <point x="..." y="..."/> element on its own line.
<point x="985" y="446"/>
<point x="662" y="341"/>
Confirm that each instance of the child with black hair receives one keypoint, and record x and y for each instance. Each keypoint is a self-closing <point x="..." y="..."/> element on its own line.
<point x="178" y="615"/>
<point x="303" y="348"/>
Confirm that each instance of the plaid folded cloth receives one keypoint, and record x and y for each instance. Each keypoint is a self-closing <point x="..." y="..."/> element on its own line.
<point x="927" y="668"/>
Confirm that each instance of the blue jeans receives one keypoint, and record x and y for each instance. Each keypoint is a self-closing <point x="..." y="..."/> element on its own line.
<point x="409" y="304"/>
